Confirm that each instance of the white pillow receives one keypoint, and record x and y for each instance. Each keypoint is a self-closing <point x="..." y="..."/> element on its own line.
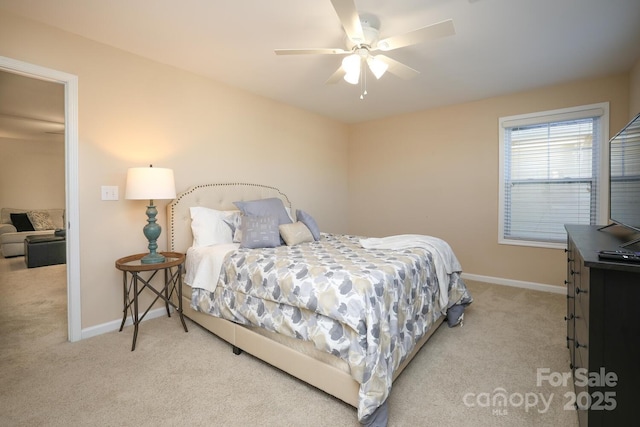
<point x="208" y="227"/>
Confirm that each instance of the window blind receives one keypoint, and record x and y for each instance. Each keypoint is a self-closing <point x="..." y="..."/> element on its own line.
<point x="551" y="177"/>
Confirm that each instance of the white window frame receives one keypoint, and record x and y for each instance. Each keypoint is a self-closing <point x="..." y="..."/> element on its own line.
<point x="583" y="111"/>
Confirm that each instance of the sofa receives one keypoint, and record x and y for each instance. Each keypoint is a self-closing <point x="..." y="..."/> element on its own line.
<point x="43" y="222"/>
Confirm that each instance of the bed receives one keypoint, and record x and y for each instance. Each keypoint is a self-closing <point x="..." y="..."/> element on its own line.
<point x="300" y="307"/>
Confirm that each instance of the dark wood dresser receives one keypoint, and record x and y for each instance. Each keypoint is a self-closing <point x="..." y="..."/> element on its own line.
<point x="603" y="329"/>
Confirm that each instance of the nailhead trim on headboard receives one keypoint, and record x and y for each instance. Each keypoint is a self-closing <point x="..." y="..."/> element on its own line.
<point x="172" y="206"/>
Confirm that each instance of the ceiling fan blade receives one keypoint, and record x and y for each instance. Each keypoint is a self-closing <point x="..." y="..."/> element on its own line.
<point x="430" y="32"/>
<point x="398" y="68"/>
<point x="308" y="51"/>
<point x="336" y="77"/>
<point x="348" y="15"/>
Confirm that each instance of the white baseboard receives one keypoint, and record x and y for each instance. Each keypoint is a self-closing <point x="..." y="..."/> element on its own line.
<point x="516" y="283"/>
<point x="114" y="325"/>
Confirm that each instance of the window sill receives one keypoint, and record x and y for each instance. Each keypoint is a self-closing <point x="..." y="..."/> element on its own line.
<point x="532" y="243"/>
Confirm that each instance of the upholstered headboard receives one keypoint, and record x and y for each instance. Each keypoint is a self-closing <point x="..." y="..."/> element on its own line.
<point x="215" y="196"/>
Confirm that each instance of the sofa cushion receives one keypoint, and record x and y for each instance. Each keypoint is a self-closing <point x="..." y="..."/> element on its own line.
<point x="22" y="222"/>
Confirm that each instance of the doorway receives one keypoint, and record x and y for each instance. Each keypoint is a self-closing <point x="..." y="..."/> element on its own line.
<point x="70" y="83"/>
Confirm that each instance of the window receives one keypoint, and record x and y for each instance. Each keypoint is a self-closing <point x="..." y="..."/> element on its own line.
<point x="551" y="166"/>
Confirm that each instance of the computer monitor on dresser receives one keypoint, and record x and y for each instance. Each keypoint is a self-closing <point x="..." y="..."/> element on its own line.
<point x="624" y="178"/>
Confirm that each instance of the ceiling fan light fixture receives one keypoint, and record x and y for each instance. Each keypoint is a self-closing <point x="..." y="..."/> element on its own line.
<point x="377" y="67"/>
<point x="384" y="45"/>
<point x="351" y="66"/>
<point x="352" y="78"/>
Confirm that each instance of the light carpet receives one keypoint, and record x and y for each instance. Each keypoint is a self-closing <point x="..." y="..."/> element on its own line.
<point x="175" y="378"/>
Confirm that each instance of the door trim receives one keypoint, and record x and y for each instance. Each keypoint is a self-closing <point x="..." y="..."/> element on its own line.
<point x="70" y="82"/>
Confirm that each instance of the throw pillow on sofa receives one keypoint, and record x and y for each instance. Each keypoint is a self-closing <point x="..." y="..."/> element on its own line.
<point x="21" y="222"/>
<point x="41" y="220"/>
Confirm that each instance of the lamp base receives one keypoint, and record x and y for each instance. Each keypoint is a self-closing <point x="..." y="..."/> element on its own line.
<point x="152" y="258"/>
<point x="152" y="232"/>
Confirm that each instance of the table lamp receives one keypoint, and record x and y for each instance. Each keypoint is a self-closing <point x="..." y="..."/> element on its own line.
<point x="153" y="184"/>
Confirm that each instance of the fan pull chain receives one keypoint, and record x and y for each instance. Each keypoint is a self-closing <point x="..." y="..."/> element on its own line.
<point x="363" y="80"/>
<point x="364" y="77"/>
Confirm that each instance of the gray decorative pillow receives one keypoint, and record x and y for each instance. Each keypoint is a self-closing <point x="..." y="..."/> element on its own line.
<point x="295" y="233"/>
<point x="41" y="220"/>
<point x="265" y="207"/>
<point x="260" y="232"/>
<point x="311" y="224"/>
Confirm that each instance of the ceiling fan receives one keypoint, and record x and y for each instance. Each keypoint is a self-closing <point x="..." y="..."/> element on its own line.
<point x="363" y="38"/>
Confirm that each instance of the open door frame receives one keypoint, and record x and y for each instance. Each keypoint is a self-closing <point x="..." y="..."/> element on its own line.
<point x="70" y="82"/>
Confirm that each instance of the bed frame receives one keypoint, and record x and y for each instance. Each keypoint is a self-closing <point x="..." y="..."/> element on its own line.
<point x="317" y="373"/>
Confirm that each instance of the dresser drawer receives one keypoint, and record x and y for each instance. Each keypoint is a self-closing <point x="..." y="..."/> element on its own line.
<point x="570" y="318"/>
<point x="573" y="278"/>
<point x="581" y="342"/>
<point x="581" y="362"/>
<point x="582" y="280"/>
<point x="581" y="308"/>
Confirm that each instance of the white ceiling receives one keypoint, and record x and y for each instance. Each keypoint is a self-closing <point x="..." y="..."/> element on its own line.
<point x="500" y="46"/>
<point x="31" y="109"/>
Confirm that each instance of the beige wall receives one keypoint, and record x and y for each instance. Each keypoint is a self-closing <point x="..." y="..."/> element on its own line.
<point x="133" y="112"/>
<point x="31" y="174"/>
<point x="634" y="90"/>
<point x="432" y="172"/>
<point x="436" y="172"/>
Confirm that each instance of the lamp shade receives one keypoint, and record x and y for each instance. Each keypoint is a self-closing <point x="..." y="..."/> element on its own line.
<point x="150" y="184"/>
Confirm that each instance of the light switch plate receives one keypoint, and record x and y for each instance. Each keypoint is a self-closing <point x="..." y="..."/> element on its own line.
<point x="109" y="192"/>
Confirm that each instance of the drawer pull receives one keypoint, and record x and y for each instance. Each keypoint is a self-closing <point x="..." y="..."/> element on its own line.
<point x="566" y="282"/>
<point x="578" y="291"/>
<point x="570" y="297"/>
<point x="573" y="272"/>
<point x="578" y="345"/>
<point x="570" y="317"/>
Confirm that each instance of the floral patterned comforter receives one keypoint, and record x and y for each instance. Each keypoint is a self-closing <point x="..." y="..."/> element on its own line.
<point x="366" y="306"/>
